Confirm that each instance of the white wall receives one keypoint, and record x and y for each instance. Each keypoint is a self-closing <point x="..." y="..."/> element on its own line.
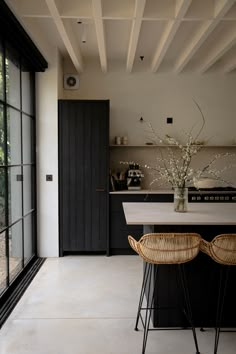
<point x="152" y="96"/>
<point x="156" y="97"/>
<point x="60" y="76"/>
<point x="47" y="157"/>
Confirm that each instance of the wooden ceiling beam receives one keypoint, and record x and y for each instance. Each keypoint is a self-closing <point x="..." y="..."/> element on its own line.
<point x="230" y="67"/>
<point x="221" y="8"/>
<point x="218" y="52"/>
<point x="169" y="33"/>
<point x="66" y="35"/>
<point x="135" y="31"/>
<point x="99" y="26"/>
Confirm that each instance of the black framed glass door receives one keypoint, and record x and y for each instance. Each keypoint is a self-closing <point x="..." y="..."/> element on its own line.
<point x="17" y="165"/>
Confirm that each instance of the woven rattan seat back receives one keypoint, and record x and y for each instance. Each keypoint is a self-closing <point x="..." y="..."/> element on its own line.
<point x="168" y="248"/>
<point x="222" y="249"/>
<point x="133" y="243"/>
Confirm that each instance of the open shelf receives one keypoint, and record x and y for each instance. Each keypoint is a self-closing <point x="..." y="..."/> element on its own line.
<point x="126" y="146"/>
<point x="166" y="146"/>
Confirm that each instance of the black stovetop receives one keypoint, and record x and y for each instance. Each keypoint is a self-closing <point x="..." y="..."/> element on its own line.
<point x="214" y="189"/>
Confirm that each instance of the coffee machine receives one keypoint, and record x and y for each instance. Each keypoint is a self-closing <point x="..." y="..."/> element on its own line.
<point x="134" y="177"/>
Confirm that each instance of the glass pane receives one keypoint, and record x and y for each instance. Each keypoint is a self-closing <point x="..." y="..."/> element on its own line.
<point x="15" y="249"/>
<point x="15" y="194"/>
<point x="27" y="183"/>
<point x="28" y="238"/>
<point x="12" y="80"/>
<point x="2" y="198"/>
<point x="1" y="73"/>
<point x="27" y="139"/>
<point x="26" y="92"/>
<point x="13" y="137"/>
<point x="3" y="263"/>
<point x="2" y="148"/>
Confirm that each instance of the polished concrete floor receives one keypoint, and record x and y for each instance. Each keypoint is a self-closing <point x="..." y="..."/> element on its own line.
<point x="87" y="305"/>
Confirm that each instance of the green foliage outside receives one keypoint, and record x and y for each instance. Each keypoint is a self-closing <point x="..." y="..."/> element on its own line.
<point x="2" y="156"/>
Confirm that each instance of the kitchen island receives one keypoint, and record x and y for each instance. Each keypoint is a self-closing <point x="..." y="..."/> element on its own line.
<point x="208" y="220"/>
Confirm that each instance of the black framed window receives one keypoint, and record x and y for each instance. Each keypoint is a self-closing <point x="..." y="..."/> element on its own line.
<point x="19" y="60"/>
<point x="17" y="165"/>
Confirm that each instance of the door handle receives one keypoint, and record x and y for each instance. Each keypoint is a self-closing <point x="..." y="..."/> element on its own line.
<point x="100" y="190"/>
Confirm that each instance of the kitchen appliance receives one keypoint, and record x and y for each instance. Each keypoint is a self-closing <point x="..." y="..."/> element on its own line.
<point x="212" y="195"/>
<point x="134" y="177"/>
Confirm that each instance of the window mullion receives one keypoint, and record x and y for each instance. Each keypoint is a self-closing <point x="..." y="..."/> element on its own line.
<point x="6" y="162"/>
<point x="22" y="167"/>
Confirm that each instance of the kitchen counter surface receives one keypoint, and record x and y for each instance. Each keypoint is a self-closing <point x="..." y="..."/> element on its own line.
<point x="164" y="214"/>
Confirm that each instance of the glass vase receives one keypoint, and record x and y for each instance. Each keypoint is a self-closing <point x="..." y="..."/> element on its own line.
<point x="181" y="199"/>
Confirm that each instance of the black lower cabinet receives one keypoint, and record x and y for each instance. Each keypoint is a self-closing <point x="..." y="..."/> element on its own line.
<point x="119" y="230"/>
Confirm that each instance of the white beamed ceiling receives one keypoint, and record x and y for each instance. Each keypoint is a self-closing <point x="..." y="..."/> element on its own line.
<point x="196" y="36"/>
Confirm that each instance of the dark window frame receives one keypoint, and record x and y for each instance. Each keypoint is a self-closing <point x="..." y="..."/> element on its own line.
<point x="7" y="166"/>
<point x="14" y="37"/>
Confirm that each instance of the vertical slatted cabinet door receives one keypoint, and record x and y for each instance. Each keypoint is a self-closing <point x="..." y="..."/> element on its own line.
<point x="96" y="186"/>
<point x="83" y="172"/>
<point x="71" y="190"/>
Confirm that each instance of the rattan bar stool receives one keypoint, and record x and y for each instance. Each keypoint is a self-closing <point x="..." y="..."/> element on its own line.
<point x="222" y="249"/>
<point x="162" y="249"/>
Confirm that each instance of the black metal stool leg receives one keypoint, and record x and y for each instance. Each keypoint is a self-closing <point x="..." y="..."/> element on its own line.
<point x="220" y="304"/>
<point x="188" y="304"/>
<point x="150" y="303"/>
<point x="144" y="284"/>
<point x="146" y="322"/>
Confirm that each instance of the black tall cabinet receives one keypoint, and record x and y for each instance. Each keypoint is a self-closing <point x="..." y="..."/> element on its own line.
<point x="83" y="176"/>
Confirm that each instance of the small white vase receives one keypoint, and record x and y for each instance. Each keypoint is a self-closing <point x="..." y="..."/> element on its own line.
<point x="181" y="199"/>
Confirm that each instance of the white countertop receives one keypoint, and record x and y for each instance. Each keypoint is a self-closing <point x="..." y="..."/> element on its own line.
<point x="164" y="214"/>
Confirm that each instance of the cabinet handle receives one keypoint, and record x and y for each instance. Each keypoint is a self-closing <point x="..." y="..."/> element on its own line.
<point x="100" y="190"/>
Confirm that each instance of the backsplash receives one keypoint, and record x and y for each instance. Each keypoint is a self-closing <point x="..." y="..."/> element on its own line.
<point x="148" y="155"/>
